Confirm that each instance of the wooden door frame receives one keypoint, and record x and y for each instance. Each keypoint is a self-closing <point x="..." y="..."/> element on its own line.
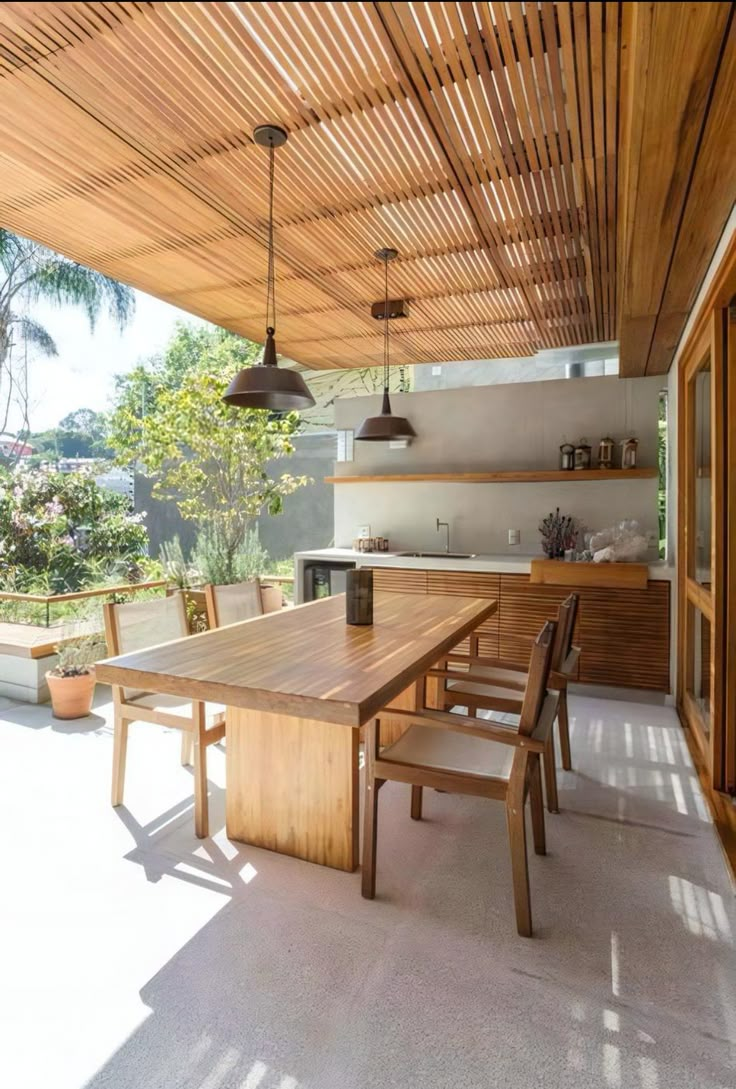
<point x="710" y="337"/>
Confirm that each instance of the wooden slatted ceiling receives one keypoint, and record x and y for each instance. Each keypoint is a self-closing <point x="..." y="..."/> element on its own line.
<point x="478" y="138"/>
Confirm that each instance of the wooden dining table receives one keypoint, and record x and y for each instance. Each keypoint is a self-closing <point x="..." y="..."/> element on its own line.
<point x="298" y="685"/>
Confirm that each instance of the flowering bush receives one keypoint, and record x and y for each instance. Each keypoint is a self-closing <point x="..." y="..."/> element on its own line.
<point x="60" y="532"/>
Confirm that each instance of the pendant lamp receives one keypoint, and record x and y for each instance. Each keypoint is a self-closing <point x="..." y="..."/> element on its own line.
<point x="265" y="385"/>
<point x="386" y="427"/>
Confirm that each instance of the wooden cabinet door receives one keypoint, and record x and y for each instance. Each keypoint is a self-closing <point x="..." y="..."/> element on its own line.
<point x="471" y="584"/>
<point x="524" y="607"/>
<point x="399" y="581"/>
<point x="625" y="637"/>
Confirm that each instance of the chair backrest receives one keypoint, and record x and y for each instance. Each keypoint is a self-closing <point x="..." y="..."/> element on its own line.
<point x="566" y="617"/>
<point x="137" y="625"/>
<point x="231" y="604"/>
<point x="536" y="685"/>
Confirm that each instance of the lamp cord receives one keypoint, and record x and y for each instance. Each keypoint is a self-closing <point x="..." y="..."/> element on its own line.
<point x="271" y="274"/>
<point x="385" y="332"/>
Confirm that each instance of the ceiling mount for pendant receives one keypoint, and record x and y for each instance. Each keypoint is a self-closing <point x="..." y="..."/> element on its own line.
<point x="386" y="427"/>
<point x="266" y="385"/>
<point x="270" y="135"/>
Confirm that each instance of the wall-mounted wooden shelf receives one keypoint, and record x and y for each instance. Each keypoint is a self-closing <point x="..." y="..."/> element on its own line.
<point x="518" y="476"/>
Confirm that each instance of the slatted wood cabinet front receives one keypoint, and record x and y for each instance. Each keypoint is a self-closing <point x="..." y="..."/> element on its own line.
<point x="624" y="634"/>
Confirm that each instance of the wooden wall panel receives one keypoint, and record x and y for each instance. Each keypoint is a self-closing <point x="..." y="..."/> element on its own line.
<point x="399" y="580"/>
<point x="524" y="607"/>
<point x="625" y="637"/>
<point x="624" y="634"/>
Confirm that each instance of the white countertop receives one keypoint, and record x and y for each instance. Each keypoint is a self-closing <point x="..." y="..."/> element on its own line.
<point x="511" y="563"/>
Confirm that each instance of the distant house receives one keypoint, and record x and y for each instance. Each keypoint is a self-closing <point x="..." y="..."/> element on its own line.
<point x="13" y="447"/>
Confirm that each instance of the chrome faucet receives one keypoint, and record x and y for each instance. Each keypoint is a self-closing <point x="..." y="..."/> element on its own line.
<point x="447" y="527"/>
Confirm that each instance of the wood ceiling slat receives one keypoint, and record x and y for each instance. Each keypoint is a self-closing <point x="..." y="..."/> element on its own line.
<point x="487" y="141"/>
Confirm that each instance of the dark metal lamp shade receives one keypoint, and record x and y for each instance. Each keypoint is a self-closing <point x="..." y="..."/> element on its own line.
<point x="386" y="427"/>
<point x="265" y="385"/>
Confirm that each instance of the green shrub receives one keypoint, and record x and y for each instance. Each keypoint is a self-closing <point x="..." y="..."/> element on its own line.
<point x="61" y="532"/>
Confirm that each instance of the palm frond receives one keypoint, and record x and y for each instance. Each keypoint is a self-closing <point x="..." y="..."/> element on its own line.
<point x="65" y="282"/>
<point x="34" y="333"/>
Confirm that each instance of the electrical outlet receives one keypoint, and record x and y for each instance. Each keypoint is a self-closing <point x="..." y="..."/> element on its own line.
<point x="364" y="531"/>
<point x="514" y="536"/>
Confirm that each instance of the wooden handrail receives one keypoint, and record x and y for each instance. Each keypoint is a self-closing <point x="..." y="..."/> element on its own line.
<point x="79" y="595"/>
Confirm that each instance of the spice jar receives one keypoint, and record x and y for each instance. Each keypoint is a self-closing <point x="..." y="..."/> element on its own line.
<point x="567" y="455"/>
<point x="582" y="455"/>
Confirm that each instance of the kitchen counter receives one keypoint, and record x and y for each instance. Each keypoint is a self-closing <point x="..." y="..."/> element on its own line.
<point x="509" y="563"/>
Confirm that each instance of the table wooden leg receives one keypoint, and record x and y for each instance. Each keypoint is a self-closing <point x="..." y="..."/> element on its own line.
<point x="292" y="786"/>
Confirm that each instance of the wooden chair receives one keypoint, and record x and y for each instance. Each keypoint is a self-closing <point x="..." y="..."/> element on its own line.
<point x="491" y="684"/>
<point x="229" y="604"/>
<point x="463" y="755"/>
<point x="137" y="626"/>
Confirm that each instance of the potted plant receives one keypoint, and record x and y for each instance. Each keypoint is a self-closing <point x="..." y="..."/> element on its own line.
<point x="72" y="681"/>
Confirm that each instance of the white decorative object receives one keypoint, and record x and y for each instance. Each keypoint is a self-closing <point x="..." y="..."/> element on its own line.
<point x="622" y="543"/>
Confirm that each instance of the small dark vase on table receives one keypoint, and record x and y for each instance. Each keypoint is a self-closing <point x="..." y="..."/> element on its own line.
<point x="359" y="597"/>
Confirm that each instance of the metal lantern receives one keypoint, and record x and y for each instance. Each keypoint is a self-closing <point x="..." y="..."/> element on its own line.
<point x="605" y="454"/>
<point x="386" y="427"/>
<point x="265" y="384"/>
<point x="628" y="453"/>
<point x="582" y="455"/>
<point x="567" y="455"/>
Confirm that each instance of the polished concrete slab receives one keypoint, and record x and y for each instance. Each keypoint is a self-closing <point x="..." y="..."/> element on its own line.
<point x="136" y="957"/>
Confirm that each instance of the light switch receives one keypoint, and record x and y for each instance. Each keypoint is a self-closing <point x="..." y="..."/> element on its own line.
<point x="514" y="536"/>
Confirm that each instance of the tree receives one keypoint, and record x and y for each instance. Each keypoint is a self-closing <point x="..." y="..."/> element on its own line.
<point x="81" y="434"/>
<point x="30" y="273"/>
<point x="206" y="456"/>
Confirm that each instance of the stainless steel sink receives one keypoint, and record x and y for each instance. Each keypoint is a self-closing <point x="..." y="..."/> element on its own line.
<point x="440" y="555"/>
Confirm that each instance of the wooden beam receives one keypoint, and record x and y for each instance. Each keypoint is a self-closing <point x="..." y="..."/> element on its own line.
<point x="674" y="51"/>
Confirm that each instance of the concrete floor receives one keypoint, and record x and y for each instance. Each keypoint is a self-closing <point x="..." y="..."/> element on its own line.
<point x="135" y="957"/>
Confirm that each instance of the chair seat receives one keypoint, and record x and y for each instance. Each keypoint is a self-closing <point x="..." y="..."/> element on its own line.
<point x="445" y="750"/>
<point x="176" y="705"/>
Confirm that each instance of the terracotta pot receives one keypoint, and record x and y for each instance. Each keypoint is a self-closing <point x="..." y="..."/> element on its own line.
<point x="71" y="697"/>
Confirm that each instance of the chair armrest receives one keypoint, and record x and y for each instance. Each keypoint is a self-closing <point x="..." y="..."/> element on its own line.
<point x="558" y="678"/>
<point x="464" y="724"/>
<point x="547" y="718"/>
<point x="571" y="662"/>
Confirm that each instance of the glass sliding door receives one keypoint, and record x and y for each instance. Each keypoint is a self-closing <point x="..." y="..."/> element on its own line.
<point x="706" y="653"/>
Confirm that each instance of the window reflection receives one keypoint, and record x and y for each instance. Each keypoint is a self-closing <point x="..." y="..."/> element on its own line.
<point x="699" y="666"/>
<point x="703" y="482"/>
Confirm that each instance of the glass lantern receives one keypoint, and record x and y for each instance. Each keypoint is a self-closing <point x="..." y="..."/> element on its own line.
<point x="605" y="454"/>
<point x="582" y="455"/>
<point x="628" y="453"/>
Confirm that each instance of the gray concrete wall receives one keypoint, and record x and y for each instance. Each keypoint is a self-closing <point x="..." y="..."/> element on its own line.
<point x="499" y="427"/>
<point x="307" y="519"/>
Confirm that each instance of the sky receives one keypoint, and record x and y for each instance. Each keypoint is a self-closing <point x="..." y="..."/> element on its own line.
<point x="81" y="375"/>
